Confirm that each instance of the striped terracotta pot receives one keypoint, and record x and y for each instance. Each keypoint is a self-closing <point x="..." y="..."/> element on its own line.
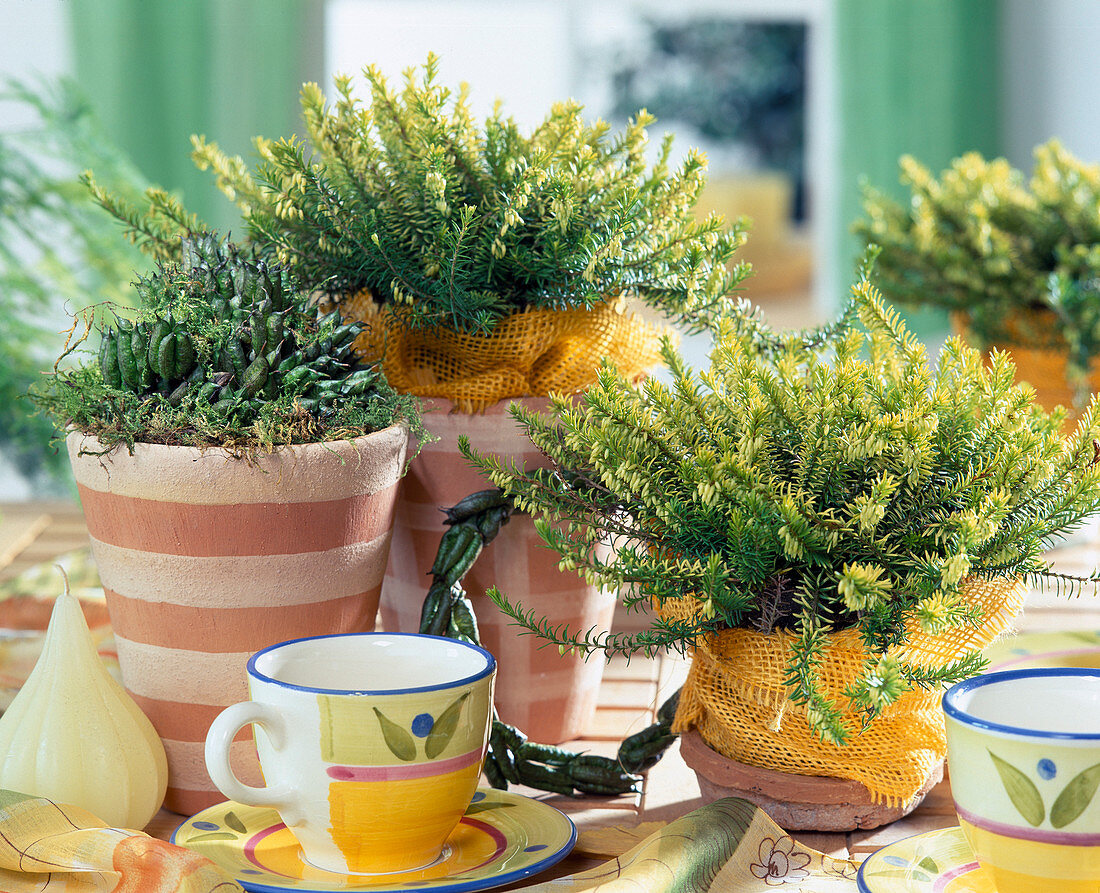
<point x="206" y="559"/>
<point x="549" y="696"/>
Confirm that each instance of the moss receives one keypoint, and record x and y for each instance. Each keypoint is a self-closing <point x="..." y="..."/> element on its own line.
<point x="251" y="364"/>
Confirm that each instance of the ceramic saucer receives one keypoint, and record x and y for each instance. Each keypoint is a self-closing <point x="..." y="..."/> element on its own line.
<point x="1079" y="648"/>
<point x="503" y="837"/>
<point x="934" y="862"/>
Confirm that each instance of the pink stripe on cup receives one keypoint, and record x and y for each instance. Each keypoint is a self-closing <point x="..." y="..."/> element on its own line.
<point x="397" y="773"/>
<point x="1041" y="835"/>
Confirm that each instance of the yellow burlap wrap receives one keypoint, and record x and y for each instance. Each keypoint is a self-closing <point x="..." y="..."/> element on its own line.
<point x="735" y="696"/>
<point x="528" y="354"/>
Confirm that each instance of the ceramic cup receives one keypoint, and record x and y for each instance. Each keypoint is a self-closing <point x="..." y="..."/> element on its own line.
<point x="1023" y="751"/>
<point x="371" y="744"/>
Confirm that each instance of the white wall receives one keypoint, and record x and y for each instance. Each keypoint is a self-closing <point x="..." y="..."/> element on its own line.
<point x="1050" y="74"/>
<point x="511" y="50"/>
<point x="34" y="40"/>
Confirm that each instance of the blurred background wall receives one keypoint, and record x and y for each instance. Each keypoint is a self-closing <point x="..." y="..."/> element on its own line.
<point x="852" y="85"/>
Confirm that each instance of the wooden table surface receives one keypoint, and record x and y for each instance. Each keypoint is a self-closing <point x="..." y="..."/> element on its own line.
<point x="32" y="533"/>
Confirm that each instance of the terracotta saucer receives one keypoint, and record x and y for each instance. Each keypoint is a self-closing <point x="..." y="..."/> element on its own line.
<point x="795" y="802"/>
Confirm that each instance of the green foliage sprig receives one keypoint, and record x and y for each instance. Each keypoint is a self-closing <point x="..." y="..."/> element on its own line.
<point x="457" y="223"/>
<point x="225" y="351"/>
<point x="983" y="240"/>
<point x="56" y="250"/>
<point x="789" y="488"/>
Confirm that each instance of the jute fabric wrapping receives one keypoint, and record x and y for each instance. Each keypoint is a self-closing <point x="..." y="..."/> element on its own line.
<point x="530" y="353"/>
<point x="1040" y="355"/>
<point x="734" y="695"/>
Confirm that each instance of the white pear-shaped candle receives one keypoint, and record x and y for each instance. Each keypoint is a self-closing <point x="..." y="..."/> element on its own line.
<point x="74" y="735"/>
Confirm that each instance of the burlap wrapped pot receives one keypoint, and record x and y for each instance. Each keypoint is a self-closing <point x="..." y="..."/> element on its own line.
<point x="467" y="381"/>
<point x="735" y="697"/>
<point x="531" y="353"/>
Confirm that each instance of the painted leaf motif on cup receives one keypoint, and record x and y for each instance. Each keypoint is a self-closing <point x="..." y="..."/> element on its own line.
<point x="397" y="739"/>
<point x="1075" y="797"/>
<point x="444" y="728"/>
<point x="1021" y="791"/>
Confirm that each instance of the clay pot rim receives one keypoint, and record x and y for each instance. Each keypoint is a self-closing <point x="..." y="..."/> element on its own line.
<point x="311" y="472"/>
<point x="380" y="435"/>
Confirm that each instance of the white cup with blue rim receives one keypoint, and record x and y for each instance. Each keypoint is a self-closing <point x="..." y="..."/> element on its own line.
<point x="371" y="744"/>
<point x="1023" y="752"/>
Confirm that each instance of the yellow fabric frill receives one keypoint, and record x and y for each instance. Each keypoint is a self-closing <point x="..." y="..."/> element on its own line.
<point x="531" y="353"/>
<point x="735" y="697"/>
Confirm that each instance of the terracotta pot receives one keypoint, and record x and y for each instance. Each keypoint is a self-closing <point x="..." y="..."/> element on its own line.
<point x="550" y="697"/>
<point x="206" y="559"/>
<point x="796" y="802"/>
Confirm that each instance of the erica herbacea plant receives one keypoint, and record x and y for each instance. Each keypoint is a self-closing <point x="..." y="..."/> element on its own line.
<point x="456" y="222"/>
<point x="225" y="351"/>
<point x="813" y="488"/>
<point x="983" y="240"/>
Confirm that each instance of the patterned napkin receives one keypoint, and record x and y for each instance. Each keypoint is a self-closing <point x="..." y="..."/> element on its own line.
<point x="729" y="846"/>
<point x="49" y="847"/>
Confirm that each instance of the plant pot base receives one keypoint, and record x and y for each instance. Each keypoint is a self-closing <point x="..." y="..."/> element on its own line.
<point x="795" y="802"/>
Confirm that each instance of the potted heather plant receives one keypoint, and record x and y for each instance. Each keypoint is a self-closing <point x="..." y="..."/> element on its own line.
<point x="238" y="469"/>
<point x="492" y="265"/>
<point x="1015" y="261"/>
<point x="834" y="531"/>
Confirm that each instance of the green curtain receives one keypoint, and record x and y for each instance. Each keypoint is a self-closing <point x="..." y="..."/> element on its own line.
<point x="916" y="77"/>
<point x="161" y="70"/>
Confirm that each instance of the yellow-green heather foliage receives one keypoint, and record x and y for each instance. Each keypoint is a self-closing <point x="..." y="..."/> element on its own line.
<point x="799" y="486"/>
<point x="457" y="222"/>
<point x="984" y="240"/>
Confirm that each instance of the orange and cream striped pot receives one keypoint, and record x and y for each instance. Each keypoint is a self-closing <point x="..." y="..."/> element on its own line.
<point x="206" y="559"/>
<point x="551" y="697"/>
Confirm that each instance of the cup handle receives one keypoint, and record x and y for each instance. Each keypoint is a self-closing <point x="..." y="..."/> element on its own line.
<point x="220" y="736"/>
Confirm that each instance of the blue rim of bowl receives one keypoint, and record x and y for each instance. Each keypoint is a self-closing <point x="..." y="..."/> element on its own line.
<point x="958" y="714"/>
<point x="490" y="666"/>
<point x="861" y="882"/>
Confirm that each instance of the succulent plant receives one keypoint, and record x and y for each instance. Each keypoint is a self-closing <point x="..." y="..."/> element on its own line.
<point x="226" y="350"/>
